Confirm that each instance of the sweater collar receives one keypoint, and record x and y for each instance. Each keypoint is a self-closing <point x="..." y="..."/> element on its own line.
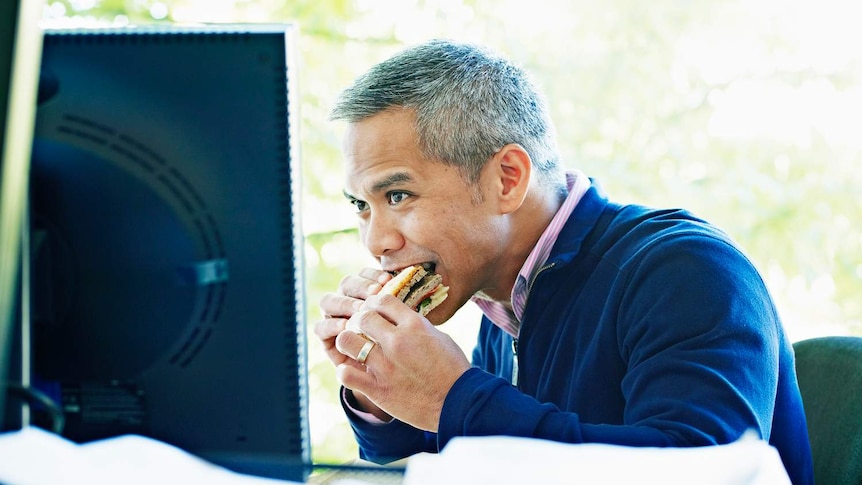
<point x="508" y="317"/>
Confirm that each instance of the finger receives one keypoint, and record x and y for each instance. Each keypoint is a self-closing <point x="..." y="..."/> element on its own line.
<point x="355" y="377"/>
<point x="368" y="282"/>
<point x="349" y="343"/>
<point x="329" y="328"/>
<point x="336" y="305"/>
<point x="353" y="323"/>
<point x="392" y="310"/>
<point x="377" y="275"/>
<point x="355" y="346"/>
<point x="326" y="330"/>
<point x="370" y="324"/>
<point x="361" y="353"/>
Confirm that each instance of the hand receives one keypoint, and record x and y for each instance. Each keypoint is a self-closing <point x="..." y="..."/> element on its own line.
<point x="337" y="308"/>
<point x="409" y="371"/>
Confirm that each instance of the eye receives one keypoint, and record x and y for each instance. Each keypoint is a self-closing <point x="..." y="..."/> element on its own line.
<point x="396" y="197"/>
<point x="359" y="205"/>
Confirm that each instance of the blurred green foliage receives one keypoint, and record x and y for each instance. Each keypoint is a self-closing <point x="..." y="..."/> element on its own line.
<point x="746" y="112"/>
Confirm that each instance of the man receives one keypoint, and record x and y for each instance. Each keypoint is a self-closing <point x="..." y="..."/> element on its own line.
<point x="602" y="322"/>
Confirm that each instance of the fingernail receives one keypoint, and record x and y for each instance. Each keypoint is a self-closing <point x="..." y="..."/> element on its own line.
<point x="374" y="288"/>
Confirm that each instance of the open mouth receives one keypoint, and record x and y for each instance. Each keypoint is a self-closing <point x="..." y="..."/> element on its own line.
<point x="427" y="266"/>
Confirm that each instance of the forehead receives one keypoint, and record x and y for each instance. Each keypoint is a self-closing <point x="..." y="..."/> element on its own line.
<point x="383" y="150"/>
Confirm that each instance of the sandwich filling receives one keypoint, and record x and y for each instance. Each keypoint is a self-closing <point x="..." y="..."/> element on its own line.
<point x="418" y="287"/>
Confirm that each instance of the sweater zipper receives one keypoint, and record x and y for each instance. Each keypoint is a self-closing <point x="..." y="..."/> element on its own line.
<point x="515" y="367"/>
<point x="515" y="362"/>
<point x="536" y="276"/>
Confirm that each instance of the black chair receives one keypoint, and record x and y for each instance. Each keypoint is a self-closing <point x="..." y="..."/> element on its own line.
<point x="829" y="370"/>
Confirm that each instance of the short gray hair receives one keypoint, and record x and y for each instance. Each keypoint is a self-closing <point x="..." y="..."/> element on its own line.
<point x="469" y="103"/>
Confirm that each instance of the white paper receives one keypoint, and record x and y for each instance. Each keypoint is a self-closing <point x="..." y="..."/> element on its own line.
<point x="508" y="460"/>
<point x="33" y="456"/>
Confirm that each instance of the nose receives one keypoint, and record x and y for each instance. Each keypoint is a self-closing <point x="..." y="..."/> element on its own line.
<point x="380" y="235"/>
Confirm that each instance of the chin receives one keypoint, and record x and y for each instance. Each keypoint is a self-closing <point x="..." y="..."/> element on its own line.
<point x="441" y="314"/>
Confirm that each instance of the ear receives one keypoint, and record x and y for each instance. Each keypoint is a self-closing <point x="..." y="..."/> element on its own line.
<point x="512" y="170"/>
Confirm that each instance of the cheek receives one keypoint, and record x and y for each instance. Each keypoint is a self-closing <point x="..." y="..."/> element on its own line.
<point x="465" y="235"/>
<point x="455" y="231"/>
<point x="363" y="234"/>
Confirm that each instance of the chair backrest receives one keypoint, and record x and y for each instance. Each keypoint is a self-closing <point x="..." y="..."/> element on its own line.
<point x="829" y="370"/>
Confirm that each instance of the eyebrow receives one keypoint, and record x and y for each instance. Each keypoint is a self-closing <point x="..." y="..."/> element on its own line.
<point x="385" y="183"/>
<point x="393" y="179"/>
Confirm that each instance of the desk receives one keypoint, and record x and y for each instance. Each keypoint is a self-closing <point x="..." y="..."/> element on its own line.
<point x="360" y="471"/>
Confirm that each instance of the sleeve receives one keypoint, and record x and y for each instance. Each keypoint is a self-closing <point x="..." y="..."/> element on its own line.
<point x="703" y="351"/>
<point x="386" y="442"/>
<point x="697" y="331"/>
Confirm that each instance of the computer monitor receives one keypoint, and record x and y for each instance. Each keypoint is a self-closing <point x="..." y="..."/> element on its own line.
<point x="20" y="47"/>
<point x="166" y="294"/>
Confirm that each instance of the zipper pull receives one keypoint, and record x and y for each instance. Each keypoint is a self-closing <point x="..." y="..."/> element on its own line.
<point x="515" y="362"/>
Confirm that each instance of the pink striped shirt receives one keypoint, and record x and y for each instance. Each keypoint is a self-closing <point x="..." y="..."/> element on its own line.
<point x="508" y="315"/>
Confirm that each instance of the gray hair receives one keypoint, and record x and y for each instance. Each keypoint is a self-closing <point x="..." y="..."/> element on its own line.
<point x="469" y="103"/>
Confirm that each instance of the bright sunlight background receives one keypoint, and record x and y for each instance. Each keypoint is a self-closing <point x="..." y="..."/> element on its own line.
<point x="748" y="112"/>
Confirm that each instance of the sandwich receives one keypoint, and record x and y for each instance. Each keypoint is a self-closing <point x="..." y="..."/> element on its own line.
<point x="418" y="287"/>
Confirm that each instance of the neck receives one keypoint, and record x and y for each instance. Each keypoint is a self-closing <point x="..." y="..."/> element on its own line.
<point x="527" y="223"/>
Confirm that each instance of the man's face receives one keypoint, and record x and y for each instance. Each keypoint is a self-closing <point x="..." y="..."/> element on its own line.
<point x="415" y="210"/>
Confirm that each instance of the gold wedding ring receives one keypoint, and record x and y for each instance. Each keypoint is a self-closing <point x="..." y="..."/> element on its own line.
<point x="363" y="353"/>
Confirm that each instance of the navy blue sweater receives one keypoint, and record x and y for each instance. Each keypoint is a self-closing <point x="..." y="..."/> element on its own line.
<point x="647" y="328"/>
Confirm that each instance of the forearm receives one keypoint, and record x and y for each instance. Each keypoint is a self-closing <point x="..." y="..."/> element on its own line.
<point x="481" y="404"/>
